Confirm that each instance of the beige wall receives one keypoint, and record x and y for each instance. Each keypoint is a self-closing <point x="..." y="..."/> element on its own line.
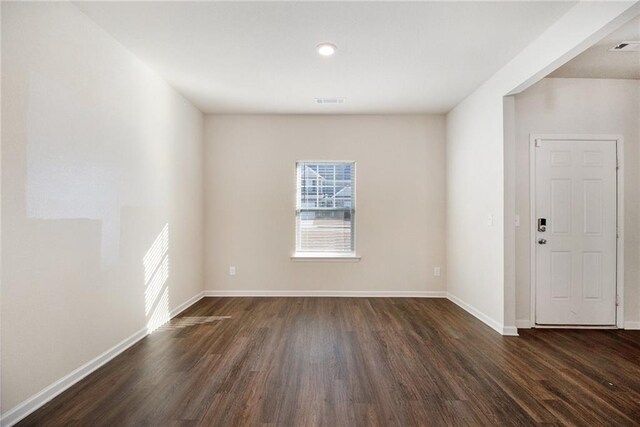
<point x="580" y="106"/>
<point x="250" y="201"/>
<point x="474" y="194"/>
<point x="479" y="277"/>
<point x="98" y="155"/>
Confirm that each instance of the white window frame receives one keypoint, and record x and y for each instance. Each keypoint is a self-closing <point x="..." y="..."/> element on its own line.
<point x="326" y="256"/>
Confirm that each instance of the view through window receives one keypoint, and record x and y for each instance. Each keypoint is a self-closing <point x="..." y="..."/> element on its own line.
<point x="325" y="210"/>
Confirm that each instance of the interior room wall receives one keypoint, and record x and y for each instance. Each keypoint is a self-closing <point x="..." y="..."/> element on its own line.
<point x="250" y="202"/>
<point x="101" y="196"/>
<point x="580" y="106"/>
<point x="476" y="178"/>
<point x="474" y="207"/>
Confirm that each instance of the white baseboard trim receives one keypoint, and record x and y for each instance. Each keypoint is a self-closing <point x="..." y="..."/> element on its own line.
<point x="632" y="325"/>
<point x="523" y="324"/>
<point x="509" y="331"/>
<point x="503" y="330"/>
<point x="348" y="294"/>
<point x="497" y="326"/>
<point x="188" y="303"/>
<point x="28" y="406"/>
<point x="25" y="408"/>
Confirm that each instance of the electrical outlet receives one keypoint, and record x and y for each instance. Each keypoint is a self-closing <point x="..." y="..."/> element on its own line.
<point x="517" y="220"/>
<point x="490" y="220"/>
<point x="232" y="271"/>
<point x="436" y="271"/>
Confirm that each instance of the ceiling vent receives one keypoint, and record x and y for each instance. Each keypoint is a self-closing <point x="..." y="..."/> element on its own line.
<point x="626" y="47"/>
<point x="330" y="101"/>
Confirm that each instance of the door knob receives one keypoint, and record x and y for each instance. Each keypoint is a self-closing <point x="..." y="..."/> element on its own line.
<point x="542" y="241"/>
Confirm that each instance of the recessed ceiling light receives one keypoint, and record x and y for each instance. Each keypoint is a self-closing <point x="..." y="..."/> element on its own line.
<point x="326" y="49"/>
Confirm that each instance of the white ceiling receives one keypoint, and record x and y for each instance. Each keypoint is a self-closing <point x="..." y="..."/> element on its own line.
<point x="599" y="62"/>
<point x="392" y="57"/>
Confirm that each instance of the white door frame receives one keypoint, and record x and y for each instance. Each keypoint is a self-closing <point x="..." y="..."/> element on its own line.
<point x="618" y="140"/>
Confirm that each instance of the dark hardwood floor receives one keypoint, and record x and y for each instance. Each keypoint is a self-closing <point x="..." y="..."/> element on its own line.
<point x="355" y="361"/>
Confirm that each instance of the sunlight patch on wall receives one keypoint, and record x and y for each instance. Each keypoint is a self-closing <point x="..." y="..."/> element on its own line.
<point x="155" y="286"/>
<point x="156" y="274"/>
<point x="160" y="314"/>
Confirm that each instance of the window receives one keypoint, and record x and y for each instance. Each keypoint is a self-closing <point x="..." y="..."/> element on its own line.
<point x="325" y="208"/>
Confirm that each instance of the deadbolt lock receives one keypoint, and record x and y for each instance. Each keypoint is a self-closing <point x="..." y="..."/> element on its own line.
<point x="542" y="225"/>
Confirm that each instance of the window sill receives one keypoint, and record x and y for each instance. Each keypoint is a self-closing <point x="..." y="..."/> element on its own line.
<point x="325" y="257"/>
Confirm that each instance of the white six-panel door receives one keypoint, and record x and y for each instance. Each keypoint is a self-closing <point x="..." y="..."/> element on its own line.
<point x="576" y="193"/>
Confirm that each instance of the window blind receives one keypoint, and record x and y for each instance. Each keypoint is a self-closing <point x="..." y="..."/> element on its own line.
<point x="325" y="207"/>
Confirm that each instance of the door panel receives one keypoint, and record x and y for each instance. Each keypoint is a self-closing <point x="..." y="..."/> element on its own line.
<point x="560" y="275"/>
<point x="593" y="207"/>
<point x="561" y="206"/>
<point x="592" y="274"/>
<point x="576" y="192"/>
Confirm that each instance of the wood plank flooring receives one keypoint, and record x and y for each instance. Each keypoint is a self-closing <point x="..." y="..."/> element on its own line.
<point x="355" y="362"/>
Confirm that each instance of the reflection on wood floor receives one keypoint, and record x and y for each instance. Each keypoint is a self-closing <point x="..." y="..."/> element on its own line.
<point x="355" y="361"/>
